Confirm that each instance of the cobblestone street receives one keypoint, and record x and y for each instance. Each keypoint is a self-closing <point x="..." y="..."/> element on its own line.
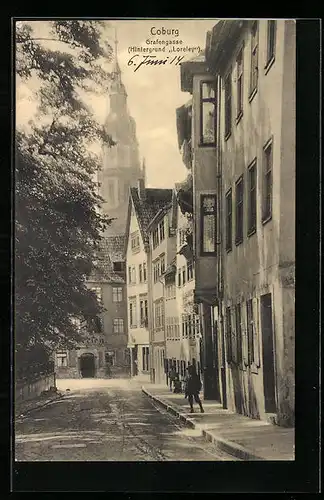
<point x="106" y="420"/>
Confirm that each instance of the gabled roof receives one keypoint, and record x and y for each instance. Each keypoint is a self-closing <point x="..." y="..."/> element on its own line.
<point x="111" y="249"/>
<point x="146" y="208"/>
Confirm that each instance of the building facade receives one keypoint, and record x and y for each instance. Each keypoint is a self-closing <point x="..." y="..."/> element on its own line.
<point x="104" y="352"/>
<point x="162" y="247"/>
<point x="182" y="321"/>
<point x="242" y="138"/>
<point x="144" y="204"/>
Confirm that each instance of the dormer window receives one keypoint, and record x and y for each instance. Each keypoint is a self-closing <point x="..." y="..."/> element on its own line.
<point x="135" y="242"/>
<point x="118" y="267"/>
<point x="208" y="113"/>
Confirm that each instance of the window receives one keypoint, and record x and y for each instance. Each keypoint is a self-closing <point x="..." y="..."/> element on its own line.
<point x="179" y="277"/>
<point x="271" y="41"/>
<point x="228" y="105"/>
<point x="254" y="58"/>
<point x="238" y="325"/>
<point x="98" y="293"/>
<point x="135" y="242"/>
<point x="61" y="357"/>
<point x="155" y="237"/>
<point x="239" y="83"/>
<point x="140" y="273"/>
<point x="208" y="222"/>
<point x="117" y="294"/>
<point x="118" y="325"/>
<point x="132" y="313"/>
<point x="118" y="267"/>
<point x="267" y="183"/>
<point x="208" y="114"/>
<point x="129" y="274"/>
<point x="162" y="264"/>
<point x="228" y="204"/>
<point x="239" y="211"/>
<point x="229" y="335"/>
<point x="143" y="312"/>
<point x="250" y="331"/>
<point x="156" y="271"/>
<point x="252" y="198"/>
<point x="190" y="270"/>
<point x="183" y="275"/>
<point x="161" y="230"/>
<point x="145" y="358"/>
<point x="133" y="275"/>
<point x="144" y="272"/>
<point x="159" y="314"/>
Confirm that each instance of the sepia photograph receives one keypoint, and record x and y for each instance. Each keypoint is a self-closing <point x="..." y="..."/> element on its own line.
<point x="154" y="233"/>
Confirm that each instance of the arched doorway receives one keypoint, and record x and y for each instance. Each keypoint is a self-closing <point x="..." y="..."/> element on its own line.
<point x="87" y="365"/>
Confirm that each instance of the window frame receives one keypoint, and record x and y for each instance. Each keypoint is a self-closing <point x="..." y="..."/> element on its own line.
<point x="119" y="327"/>
<point x="229" y="216"/>
<point x="133" y="314"/>
<point x="203" y="213"/>
<point x="239" y="334"/>
<point x="267" y="216"/>
<point x="203" y="100"/>
<point x="228" y="104"/>
<point x="239" y="237"/>
<point x="117" y="293"/>
<point x="240" y="84"/>
<point x="143" y="309"/>
<point x="252" y="224"/>
<point x="161" y="230"/>
<point x="229" y="334"/>
<point x="271" y="52"/>
<point x="254" y="58"/>
<point x="62" y="355"/>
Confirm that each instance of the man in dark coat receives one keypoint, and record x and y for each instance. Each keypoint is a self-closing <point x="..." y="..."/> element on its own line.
<point x="193" y="387"/>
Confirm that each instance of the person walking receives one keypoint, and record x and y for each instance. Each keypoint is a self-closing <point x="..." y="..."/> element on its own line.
<point x="193" y="387"/>
<point x="172" y="375"/>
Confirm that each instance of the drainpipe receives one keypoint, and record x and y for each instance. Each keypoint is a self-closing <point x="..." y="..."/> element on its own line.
<point x="220" y="270"/>
<point x="165" y="353"/>
<point x="150" y="311"/>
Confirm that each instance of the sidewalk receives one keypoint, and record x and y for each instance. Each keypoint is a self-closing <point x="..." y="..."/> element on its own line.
<point x="242" y="437"/>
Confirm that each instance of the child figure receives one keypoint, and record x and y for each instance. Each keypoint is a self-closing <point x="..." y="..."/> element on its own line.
<point x="177" y="384"/>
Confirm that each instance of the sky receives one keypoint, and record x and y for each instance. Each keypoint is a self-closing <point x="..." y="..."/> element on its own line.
<point x="154" y="92"/>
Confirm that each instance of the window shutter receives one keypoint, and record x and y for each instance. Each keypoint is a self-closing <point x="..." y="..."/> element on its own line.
<point x="245" y="360"/>
<point x="234" y="336"/>
<point x="256" y="332"/>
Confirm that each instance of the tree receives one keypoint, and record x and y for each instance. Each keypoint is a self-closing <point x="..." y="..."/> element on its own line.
<point x="57" y="221"/>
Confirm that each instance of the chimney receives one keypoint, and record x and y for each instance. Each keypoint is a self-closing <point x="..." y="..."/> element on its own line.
<point x="141" y="189"/>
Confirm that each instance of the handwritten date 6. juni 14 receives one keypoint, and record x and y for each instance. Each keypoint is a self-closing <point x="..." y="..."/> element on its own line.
<point x="152" y="61"/>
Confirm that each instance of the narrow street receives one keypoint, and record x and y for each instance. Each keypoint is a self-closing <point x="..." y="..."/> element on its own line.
<point x="106" y="420"/>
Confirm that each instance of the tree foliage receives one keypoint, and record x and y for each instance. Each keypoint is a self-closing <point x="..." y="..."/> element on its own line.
<point x="57" y="221"/>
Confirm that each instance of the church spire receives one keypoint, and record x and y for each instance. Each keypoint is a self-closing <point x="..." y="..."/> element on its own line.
<point x="116" y="68"/>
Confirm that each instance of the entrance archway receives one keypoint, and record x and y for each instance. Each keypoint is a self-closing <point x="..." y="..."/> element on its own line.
<point x="87" y="365"/>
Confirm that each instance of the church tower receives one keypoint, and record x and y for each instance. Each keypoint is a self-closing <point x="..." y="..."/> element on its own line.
<point x="121" y="167"/>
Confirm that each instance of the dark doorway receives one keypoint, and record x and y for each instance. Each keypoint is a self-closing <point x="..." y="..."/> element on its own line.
<point x="87" y="365"/>
<point x="268" y="354"/>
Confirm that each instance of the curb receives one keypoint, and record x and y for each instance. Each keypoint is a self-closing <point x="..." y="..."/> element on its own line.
<point x="39" y="406"/>
<point x="222" y="444"/>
